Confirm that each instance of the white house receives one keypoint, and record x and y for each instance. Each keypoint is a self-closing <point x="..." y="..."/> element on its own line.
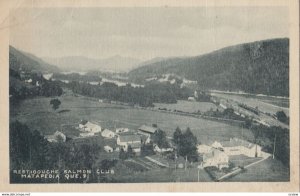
<point x="203" y="149"/>
<point x="236" y="146"/>
<point x="56" y="137"/>
<point x="215" y="158"/>
<point x="122" y="130"/>
<point x="108" y="148"/>
<point x="130" y="139"/>
<point x="108" y="133"/>
<point x="88" y="126"/>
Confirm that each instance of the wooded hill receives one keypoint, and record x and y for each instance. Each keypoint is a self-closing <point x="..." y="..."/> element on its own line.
<point x="260" y="67"/>
<point x="28" y="62"/>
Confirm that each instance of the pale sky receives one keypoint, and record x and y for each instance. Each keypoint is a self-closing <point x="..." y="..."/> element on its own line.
<point x="142" y="33"/>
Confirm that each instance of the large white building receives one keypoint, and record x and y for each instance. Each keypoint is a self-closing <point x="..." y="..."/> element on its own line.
<point x="215" y="158"/>
<point x="236" y="146"/>
<point x="202" y="148"/>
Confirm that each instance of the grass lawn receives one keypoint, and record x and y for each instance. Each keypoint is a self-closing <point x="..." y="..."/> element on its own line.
<point x="166" y="175"/>
<point x="270" y="170"/>
<point x="242" y="160"/>
<point x="38" y="114"/>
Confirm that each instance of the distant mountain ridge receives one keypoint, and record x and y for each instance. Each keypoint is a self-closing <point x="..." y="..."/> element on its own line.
<point x="257" y="67"/>
<point x="28" y="62"/>
<point x="115" y="63"/>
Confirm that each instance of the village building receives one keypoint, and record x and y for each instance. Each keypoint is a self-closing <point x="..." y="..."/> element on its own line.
<point x="88" y="126"/>
<point x="203" y="149"/>
<point x="215" y="158"/>
<point x="56" y="137"/>
<point x="147" y="130"/>
<point x="110" y="145"/>
<point x="108" y="133"/>
<point x="236" y="146"/>
<point x="132" y="140"/>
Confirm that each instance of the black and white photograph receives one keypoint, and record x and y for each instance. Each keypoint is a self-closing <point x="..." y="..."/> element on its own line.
<point x="145" y="94"/>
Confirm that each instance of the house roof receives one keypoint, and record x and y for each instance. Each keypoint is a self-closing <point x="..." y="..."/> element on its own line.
<point x="107" y="131"/>
<point x="148" y="129"/>
<point x="203" y="146"/>
<point x="130" y="138"/>
<point x="110" y="142"/>
<point x="90" y="124"/>
<point x="237" y="142"/>
<point x="130" y="132"/>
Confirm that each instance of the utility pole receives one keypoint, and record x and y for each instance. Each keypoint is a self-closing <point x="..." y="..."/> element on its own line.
<point x="274" y="146"/>
<point x="185" y="162"/>
<point x="175" y="160"/>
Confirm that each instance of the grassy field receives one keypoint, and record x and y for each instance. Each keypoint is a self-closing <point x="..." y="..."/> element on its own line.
<point x="166" y="175"/>
<point x="242" y="160"/>
<point x="188" y="106"/>
<point x="40" y="116"/>
<point x="269" y="170"/>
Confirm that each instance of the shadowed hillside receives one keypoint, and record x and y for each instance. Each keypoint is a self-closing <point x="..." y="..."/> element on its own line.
<point x="257" y="67"/>
<point x="28" y="62"/>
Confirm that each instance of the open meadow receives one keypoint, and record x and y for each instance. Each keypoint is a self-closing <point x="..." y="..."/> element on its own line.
<point x="38" y="114"/>
<point x="269" y="170"/>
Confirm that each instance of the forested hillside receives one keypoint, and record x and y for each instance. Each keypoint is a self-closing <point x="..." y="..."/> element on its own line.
<point x="258" y="67"/>
<point x="28" y="62"/>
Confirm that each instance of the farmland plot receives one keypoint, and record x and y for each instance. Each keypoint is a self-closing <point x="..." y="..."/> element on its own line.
<point x="40" y="116"/>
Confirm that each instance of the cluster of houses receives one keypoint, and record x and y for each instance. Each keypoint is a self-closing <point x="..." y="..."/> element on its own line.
<point x="217" y="154"/>
<point x="120" y="138"/>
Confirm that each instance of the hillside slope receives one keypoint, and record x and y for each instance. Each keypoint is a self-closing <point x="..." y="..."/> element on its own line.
<point x="257" y="67"/>
<point x="28" y="62"/>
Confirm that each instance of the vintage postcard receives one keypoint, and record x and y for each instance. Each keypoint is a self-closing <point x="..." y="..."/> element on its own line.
<point x="142" y="96"/>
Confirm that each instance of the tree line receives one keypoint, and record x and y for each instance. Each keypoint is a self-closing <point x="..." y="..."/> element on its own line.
<point x="279" y="141"/>
<point x="143" y="96"/>
<point x="29" y="150"/>
<point x="19" y="90"/>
